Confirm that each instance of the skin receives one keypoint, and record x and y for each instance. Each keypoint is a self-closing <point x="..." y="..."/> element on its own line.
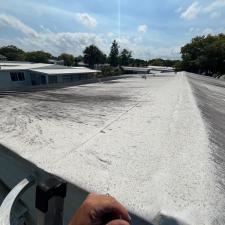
<point x="101" y="210"/>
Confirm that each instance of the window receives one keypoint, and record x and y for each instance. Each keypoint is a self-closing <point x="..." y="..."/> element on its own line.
<point x="14" y="76"/>
<point x="21" y="76"/>
<point x="17" y="76"/>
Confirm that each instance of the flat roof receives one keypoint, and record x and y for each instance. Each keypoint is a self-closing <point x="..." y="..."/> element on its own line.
<point x="160" y="68"/>
<point x="44" y="68"/>
<point x="21" y="66"/>
<point x="117" y="137"/>
<point x="65" y="71"/>
<point x="130" y="68"/>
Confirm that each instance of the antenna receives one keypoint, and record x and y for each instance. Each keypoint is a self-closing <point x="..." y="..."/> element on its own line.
<point x="119" y="18"/>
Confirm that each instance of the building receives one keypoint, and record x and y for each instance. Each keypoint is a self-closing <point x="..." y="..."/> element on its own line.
<point x="56" y="62"/>
<point x="147" y="70"/>
<point x="135" y="70"/>
<point x="20" y="74"/>
<point x="161" y="69"/>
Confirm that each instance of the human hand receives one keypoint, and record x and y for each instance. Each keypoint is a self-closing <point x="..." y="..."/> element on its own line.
<point x="101" y="210"/>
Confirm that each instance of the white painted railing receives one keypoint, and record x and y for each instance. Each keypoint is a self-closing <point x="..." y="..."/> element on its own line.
<point x="49" y="201"/>
<point x="14" y="194"/>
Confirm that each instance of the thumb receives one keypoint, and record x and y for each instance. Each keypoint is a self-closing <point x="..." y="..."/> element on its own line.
<point x="118" y="222"/>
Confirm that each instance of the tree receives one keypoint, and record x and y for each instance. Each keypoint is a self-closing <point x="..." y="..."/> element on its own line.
<point x="114" y="54"/>
<point x="12" y="53"/>
<point x="69" y="60"/>
<point x="178" y="66"/>
<point x="93" y="55"/>
<point x="38" y="57"/>
<point x="125" y="57"/>
<point x="205" y="55"/>
<point x="162" y="62"/>
<point x="138" y="62"/>
<point x="157" y="62"/>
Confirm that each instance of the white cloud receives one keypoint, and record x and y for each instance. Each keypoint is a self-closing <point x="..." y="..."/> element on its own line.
<point x="75" y="43"/>
<point x="39" y="9"/>
<point x="143" y="28"/>
<point x="56" y="43"/>
<point x="191" y="12"/>
<point x="86" y="20"/>
<point x="212" y="10"/>
<point x="12" y="22"/>
<point x="215" y="5"/>
<point x="48" y="40"/>
<point x="148" y="52"/>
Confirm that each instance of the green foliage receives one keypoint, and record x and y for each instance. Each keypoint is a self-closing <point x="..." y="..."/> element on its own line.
<point x="205" y="55"/>
<point x="125" y="57"/>
<point x="162" y="62"/>
<point x="78" y="59"/>
<point x="114" y="54"/>
<point x="138" y="62"/>
<point x="93" y="55"/>
<point x="12" y="53"/>
<point x="69" y="60"/>
<point x="178" y="66"/>
<point x="108" y="71"/>
<point x="38" y="57"/>
<point x="157" y="62"/>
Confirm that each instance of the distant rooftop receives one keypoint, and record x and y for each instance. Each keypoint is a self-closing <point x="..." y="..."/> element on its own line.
<point x="74" y="70"/>
<point x="135" y="69"/>
<point x="44" y="68"/>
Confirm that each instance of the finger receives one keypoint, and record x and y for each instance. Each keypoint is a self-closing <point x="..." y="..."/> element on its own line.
<point x="113" y="206"/>
<point x="107" y="205"/>
<point x="118" y="222"/>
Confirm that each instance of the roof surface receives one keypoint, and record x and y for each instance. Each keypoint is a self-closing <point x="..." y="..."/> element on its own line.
<point x="22" y="66"/>
<point x="44" y="68"/>
<point x="124" y="138"/>
<point x="129" y="68"/>
<point x="64" y="71"/>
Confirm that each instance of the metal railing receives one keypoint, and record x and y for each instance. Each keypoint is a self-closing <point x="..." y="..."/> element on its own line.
<point x="49" y="201"/>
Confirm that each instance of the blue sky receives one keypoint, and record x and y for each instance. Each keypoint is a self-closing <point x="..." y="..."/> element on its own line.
<point x="148" y="28"/>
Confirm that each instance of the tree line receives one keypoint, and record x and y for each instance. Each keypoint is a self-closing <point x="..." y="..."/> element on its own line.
<point x="13" y="53"/>
<point x="204" y="55"/>
<point x="92" y="56"/>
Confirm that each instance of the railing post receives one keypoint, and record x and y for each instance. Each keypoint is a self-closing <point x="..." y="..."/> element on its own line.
<point x="50" y="196"/>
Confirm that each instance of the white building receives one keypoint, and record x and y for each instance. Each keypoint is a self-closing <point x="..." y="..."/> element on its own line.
<point x="147" y="70"/>
<point x="17" y="74"/>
